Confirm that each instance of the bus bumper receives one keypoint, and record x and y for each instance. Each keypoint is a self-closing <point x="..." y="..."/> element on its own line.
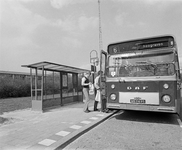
<point x="141" y="107"/>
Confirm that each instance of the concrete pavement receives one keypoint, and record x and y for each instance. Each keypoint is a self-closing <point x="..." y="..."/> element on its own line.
<point x="32" y="130"/>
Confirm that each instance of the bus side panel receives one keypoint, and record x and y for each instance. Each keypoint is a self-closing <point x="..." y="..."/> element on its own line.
<point x="179" y="97"/>
<point x="180" y="111"/>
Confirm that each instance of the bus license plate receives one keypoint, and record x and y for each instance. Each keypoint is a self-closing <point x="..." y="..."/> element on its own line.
<point x="137" y="101"/>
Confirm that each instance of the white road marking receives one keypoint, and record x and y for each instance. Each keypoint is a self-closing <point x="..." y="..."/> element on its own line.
<point x="75" y="127"/>
<point x="47" y="142"/>
<point x="100" y="115"/>
<point x="85" y="122"/>
<point x="63" y="133"/>
<point x="94" y="118"/>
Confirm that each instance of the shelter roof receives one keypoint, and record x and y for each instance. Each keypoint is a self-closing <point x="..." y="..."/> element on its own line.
<point x="49" y="66"/>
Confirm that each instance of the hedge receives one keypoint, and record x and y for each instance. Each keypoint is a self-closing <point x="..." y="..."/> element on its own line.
<point x="20" y="87"/>
<point x="14" y="87"/>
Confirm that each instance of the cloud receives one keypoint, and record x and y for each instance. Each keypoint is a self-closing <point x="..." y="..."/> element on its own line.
<point x="84" y="22"/>
<point x="122" y="20"/>
<point x="119" y="19"/>
<point x="138" y="25"/>
<point x="161" y="5"/>
<point x="18" y="22"/>
<point x="19" y="25"/>
<point x="72" y="23"/>
<point x="22" y="28"/>
<point x="70" y="42"/>
<point x="61" y="3"/>
<point x="69" y="24"/>
<point x="146" y="1"/>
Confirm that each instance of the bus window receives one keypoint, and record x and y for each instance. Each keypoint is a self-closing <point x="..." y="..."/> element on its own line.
<point x="141" y="65"/>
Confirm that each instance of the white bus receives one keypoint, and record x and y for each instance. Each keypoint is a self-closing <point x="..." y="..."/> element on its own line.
<point x="143" y="75"/>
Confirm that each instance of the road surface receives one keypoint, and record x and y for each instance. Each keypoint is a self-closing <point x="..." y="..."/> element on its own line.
<point x="133" y="130"/>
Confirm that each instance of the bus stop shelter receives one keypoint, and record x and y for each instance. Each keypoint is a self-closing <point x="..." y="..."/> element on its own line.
<point x="54" y="85"/>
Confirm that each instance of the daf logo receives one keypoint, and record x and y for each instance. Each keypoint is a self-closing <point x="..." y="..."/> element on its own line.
<point x="145" y="87"/>
<point x="137" y="88"/>
<point x="129" y="88"/>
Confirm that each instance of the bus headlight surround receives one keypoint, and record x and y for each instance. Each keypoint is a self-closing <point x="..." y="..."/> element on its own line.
<point x="166" y="98"/>
<point x="166" y="86"/>
<point x="112" y="86"/>
<point x="113" y="97"/>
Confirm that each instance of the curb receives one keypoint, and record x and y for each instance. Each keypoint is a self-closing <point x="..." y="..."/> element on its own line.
<point x="77" y="134"/>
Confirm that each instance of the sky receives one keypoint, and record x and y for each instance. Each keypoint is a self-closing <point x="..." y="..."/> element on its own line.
<point x="66" y="31"/>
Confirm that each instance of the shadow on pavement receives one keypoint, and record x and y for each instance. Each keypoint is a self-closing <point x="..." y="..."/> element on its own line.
<point x="150" y="117"/>
<point x="69" y="106"/>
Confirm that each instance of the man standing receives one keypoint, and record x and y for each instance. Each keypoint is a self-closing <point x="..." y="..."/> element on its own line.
<point x="98" y="94"/>
<point x="85" y="84"/>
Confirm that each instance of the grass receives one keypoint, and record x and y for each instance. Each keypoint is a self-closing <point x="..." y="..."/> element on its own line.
<point x="12" y="104"/>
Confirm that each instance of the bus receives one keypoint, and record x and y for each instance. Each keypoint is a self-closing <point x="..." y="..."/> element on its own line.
<point x="142" y="75"/>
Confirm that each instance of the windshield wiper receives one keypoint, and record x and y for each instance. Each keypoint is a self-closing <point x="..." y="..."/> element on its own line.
<point x="152" y="67"/>
<point x="146" y="63"/>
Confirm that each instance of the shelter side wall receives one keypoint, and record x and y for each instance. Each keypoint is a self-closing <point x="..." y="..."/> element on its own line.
<point x="55" y="102"/>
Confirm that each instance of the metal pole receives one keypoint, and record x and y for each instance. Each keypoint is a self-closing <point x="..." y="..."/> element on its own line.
<point x="36" y="84"/>
<point x="42" y="85"/>
<point x="61" y="88"/>
<point x="100" y="48"/>
<point x="53" y="85"/>
<point x="45" y="86"/>
<point x="93" y="73"/>
<point x="100" y="29"/>
<point x="31" y="82"/>
<point x="95" y="91"/>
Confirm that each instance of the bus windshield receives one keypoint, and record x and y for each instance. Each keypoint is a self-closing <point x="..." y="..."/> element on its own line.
<point x="132" y="65"/>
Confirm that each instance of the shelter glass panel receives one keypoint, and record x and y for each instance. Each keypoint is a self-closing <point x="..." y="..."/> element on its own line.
<point x="49" y="85"/>
<point x="65" y="80"/>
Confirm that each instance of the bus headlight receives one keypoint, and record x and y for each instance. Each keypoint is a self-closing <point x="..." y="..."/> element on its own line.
<point x="166" y="86"/>
<point x="112" y="86"/>
<point x="113" y="97"/>
<point x="166" y="98"/>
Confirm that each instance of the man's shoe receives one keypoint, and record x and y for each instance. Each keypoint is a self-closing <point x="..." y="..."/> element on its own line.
<point x="106" y="110"/>
<point x="96" y="110"/>
<point x="87" y="111"/>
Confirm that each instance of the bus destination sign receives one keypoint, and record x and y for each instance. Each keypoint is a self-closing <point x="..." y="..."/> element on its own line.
<point x="153" y="45"/>
<point x="145" y="44"/>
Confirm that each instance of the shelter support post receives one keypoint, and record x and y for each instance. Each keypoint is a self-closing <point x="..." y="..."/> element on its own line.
<point x="31" y="83"/>
<point x="36" y="84"/>
<point x="61" y="89"/>
<point x="37" y="103"/>
<point x="42" y="84"/>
